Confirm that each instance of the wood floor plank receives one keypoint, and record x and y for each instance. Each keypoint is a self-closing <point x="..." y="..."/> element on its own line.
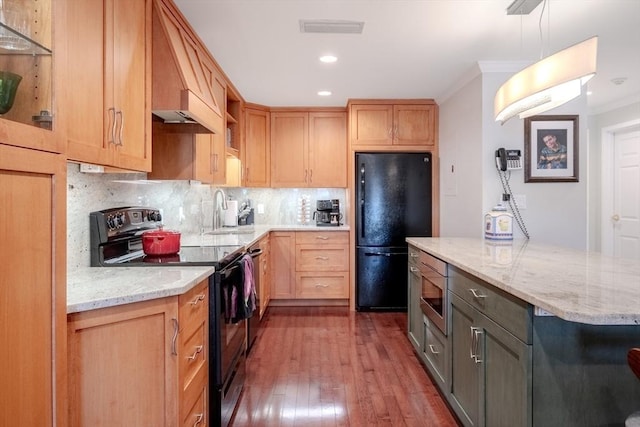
<point x="328" y="366"/>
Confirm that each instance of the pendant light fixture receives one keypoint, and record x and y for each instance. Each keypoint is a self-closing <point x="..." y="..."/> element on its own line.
<point x="549" y="83"/>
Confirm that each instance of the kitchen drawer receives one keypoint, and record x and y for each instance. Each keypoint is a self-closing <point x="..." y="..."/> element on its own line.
<point x="435" y="351"/>
<point x="510" y="312"/>
<point x="428" y="261"/>
<point x="193" y="354"/>
<point x="322" y="237"/>
<point x="325" y="258"/>
<point x="326" y="285"/>
<point x="194" y="306"/>
<point x="414" y="256"/>
<point x="194" y="411"/>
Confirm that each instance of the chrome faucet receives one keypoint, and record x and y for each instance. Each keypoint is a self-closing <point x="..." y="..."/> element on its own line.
<point x="217" y="220"/>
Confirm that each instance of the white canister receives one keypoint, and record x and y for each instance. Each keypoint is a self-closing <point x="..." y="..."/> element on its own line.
<point x="498" y="224"/>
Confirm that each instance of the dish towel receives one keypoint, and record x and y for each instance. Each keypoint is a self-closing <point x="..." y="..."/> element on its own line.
<point x="249" y="284"/>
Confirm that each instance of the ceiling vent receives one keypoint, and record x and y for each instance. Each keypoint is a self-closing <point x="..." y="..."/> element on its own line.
<point x="330" y="26"/>
<point x="522" y="7"/>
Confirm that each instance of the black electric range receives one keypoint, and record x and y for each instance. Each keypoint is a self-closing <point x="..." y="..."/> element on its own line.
<point x="116" y="241"/>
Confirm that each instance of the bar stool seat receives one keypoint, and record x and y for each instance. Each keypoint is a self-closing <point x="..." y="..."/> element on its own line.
<point x="633" y="359"/>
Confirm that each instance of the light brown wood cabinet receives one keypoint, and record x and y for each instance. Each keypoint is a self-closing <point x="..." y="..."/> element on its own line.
<point x="151" y="356"/>
<point x="387" y="123"/>
<point x="310" y="265"/>
<point x="322" y="264"/>
<point x="256" y="153"/>
<point x="283" y="264"/>
<point x="265" y="274"/>
<point x="308" y="148"/>
<point x="33" y="285"/>
<point x="108" y="71"/>
<point x="41" y="69"/>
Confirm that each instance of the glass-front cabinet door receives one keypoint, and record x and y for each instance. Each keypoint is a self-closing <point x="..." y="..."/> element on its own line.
<point x="28" y="74"/>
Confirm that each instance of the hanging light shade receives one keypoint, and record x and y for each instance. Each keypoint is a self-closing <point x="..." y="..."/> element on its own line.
<point x="548" y="83"/>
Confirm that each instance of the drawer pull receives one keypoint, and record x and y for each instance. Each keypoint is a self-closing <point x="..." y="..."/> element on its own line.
<point x="414" y="269"/>
<point x="323" y="258"/>
<point x="322" y="237"/>
<point x="414" y="255"/>
<point x="195" y="353"/>
<point x="199" y="418"/>
<point x="432" y="349"/>
<point x="476" y="294"/>
<point x="198" y="299"/>
<point x="321" y="285"/>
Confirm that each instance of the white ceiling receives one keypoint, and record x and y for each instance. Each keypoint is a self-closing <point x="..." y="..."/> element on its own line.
<point x="409" y="48"/>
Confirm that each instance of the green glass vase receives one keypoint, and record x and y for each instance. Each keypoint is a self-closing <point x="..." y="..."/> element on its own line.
<point x="8" y="87"/>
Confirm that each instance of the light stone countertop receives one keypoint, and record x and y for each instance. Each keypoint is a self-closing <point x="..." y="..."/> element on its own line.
<point x="90" y="288"/>
<point x="578" y="286"/>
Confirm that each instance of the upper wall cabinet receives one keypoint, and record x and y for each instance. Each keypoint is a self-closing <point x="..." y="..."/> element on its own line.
<point x="108" y="90"/>
<point x="31" y="62"/>
<point x="308" y="148"/>
<point x="387" y="123"/>
<point x="256" y="153"/>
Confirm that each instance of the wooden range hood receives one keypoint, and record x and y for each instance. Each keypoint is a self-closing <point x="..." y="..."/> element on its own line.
<point x="182" y="94"/>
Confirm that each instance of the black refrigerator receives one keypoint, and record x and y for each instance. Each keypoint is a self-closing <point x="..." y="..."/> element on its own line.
<point x="393" y="201"/>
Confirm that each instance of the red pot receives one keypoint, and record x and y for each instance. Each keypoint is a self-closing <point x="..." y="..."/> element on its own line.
<point x="161" y="242"/>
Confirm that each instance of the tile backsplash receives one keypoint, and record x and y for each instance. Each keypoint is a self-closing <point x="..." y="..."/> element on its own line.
<point x="187" y="206"/>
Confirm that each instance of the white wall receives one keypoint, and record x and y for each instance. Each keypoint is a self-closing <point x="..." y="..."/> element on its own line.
<point x="461" y="206"/>
<point x="556" y="213"/>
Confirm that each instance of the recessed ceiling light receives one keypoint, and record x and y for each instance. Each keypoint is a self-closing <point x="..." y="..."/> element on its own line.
<point x="328" y="59"/>
<point x="324" y="92"/>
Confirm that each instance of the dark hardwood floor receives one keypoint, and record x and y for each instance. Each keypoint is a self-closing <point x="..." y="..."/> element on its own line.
<point x="322" y="366"/>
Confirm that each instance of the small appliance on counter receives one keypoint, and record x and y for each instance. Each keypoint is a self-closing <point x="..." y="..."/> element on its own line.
<point x="328" y="213"/>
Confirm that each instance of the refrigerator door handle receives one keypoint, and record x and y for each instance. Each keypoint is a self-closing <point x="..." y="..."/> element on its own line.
<point x="388" y="254"/>
<point x="362" y="188"/>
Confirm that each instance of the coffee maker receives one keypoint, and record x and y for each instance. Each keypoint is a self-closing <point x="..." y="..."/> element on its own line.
<point x="328" y="212"/>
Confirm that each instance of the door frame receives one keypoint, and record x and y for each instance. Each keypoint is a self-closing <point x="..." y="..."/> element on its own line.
<point x="606" y="181"/>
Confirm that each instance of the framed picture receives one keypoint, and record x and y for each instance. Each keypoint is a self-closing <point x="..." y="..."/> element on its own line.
<point x="551" y="149"/>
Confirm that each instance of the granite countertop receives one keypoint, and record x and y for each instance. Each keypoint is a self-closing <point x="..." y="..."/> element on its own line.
<point x="578" y="286"/>
<point x="90" y="288"/>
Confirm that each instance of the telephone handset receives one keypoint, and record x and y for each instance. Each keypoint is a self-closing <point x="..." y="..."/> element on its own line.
<point x="508" y="159"/>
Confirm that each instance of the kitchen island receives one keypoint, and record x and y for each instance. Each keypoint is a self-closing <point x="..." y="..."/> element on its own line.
<point x="538" y="334"/>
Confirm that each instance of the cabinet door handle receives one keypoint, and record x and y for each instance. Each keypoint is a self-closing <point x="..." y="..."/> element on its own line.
<point x="174" y="339"/>
<point x="121" y="132"/>
<point x="214" y="162"/>
<point x="195" y="353"/>
<point x="321" y="285"/>
<point x="323" y="258"/>
<point x="310" y="176"/>
<point x="322" y="237"/>
<point x="112" y="120"/>
<point x="476" y="294"/>
<point x="305" y="175"/>
<point x="432" y="349"/>
<point x="475" y="344"/>
<point x="199" y="418"/>
<point x="197" y="299"/>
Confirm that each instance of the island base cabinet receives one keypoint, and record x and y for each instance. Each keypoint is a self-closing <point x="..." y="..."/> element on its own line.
<point x="581" y="373"/>
<point x="122" y="370"/>
<point x="491" y="370"/>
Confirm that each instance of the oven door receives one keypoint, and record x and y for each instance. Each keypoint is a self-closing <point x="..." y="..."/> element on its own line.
<point x="232" y="333"/>
<point x="433" y="302"/>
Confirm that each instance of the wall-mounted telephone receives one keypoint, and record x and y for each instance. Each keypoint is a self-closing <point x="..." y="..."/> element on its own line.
<point x="508" y="159"/>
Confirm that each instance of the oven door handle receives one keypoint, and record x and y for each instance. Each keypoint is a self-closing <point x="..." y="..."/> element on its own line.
<point x="255" y="253"/>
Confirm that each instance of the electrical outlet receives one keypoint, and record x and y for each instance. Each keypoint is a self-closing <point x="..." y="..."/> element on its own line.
<point x="89" y="168"/>
<point x="260" y="208"/>
<point x="520" y="200"/>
